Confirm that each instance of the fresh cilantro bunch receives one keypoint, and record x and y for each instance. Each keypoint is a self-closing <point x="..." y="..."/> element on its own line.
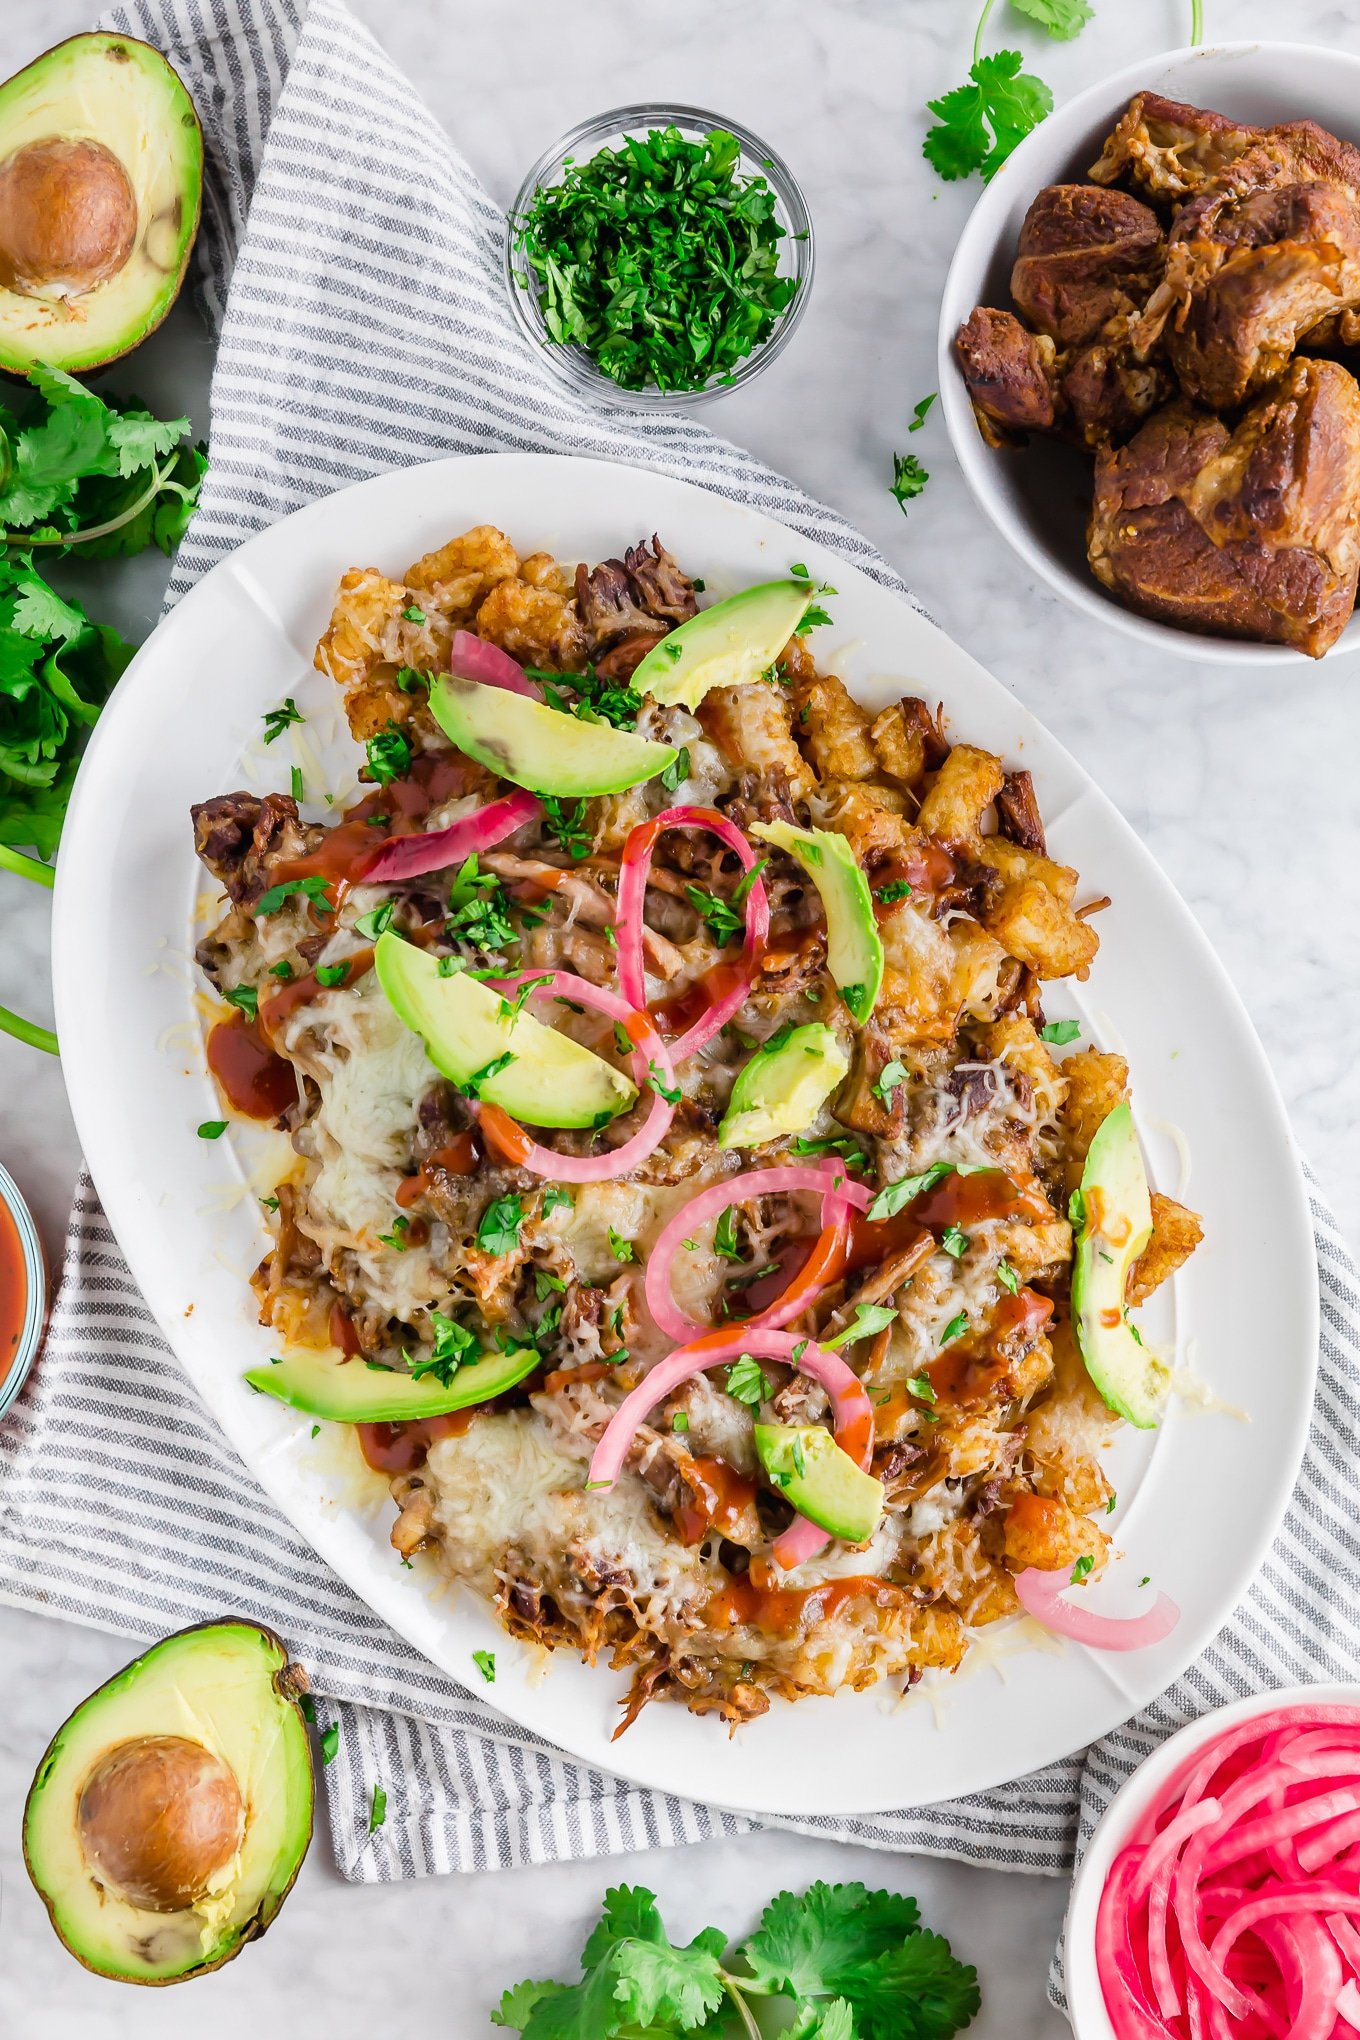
<point x="856" y="1963"/>
<point x="75" y="473"/>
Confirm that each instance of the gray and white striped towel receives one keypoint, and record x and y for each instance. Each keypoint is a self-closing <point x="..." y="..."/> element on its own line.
<point x="367" y="326"/>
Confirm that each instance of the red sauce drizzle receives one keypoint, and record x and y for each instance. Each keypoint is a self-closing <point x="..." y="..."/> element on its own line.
<point x="673" y="1017"/>
<point x="254" y="1081"/>
<point x="459" y="1158"/>
<point x="753" y="1599"/>
<point x="719" y="1495"/>
<point x="13" y="1289"/>
<point x="926" y="868"/>
<point x="400" y="1448"/>
<point x="276" y="1008"/>
<point x="957" y="1199"/>
<point x="970" y="1369"/>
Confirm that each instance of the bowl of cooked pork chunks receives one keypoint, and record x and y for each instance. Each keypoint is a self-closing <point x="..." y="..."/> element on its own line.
<point x="1150" y="352"/>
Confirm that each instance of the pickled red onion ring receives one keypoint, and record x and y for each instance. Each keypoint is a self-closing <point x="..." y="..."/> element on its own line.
<point x="852" y="1412"/>
<point x="399" y="857"/>
<point x="633" y="868"/>
<point x="1041" y="1595"/>
<point x="820" y="1181"/>
<point x="1255" y="1939"/>
<point x="475" y="658"/>
<point x="507" y="1134"/>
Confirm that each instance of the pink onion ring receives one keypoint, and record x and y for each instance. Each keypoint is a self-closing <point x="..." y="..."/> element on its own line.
<point x="633" y="868"/>
<point x="475" y="658"/>
<point x="1041" y="1595"/>
<point x="650" y="1048"/>
<point x="819" y="1181"/>
<point x="851" y="1409"/>
<point x="399" y="857"/>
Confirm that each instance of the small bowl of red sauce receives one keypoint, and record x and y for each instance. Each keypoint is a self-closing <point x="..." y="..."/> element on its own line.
<point x="23" y="1291"/>
<point x="1220" y="1892"/>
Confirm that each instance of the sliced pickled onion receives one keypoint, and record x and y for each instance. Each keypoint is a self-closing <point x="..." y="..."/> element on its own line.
<point x="633" y="869"/>
<point x="1254" y="1940"/>
<point x="474" y="658"/>
<point x="399" y="857"/>
<point x="821" y="1182"/>
<point x="509" y="1136"/>
<point x="1041" y="1595"/>
<point x="852" y="1412"/>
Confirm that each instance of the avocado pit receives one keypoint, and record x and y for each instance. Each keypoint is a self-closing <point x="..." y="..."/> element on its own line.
<point x="68" y="217"/>
<point x="160" y="1821"/>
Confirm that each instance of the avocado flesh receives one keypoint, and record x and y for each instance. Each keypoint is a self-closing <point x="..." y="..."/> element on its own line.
<point x="783" y="1087"/>
<point x="121" y="93"/>
<point x="854" y="952"/>
<point x="539" y="747"/>
<point x="221" y="1685"/>
<point x="553" y="1080"/>
<point x="734" y="641"/>
<point x="831" y="1491"/>
<point x="349" y="1392"/>
<point x="1116" y="1227"/>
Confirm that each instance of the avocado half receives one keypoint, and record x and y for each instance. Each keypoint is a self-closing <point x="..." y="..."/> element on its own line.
<point x="171" y="1813"/>
<point x="101" y="180"/>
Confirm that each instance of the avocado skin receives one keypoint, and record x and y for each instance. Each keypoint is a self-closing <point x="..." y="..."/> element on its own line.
<point x="288" y="1685"/>
<point x="1129" y="1379"/>
<point x="59" y="345"/>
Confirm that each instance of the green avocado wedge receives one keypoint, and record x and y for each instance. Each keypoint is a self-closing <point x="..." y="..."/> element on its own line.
<point x="352" y="1392"/>
<point x="1115" y="1214"/>
<point x="170" y="1814"/>
<point x="544" y="1077"/>
<point x="854" y="952"/>
<point x="824" y="1484"/>
<point x="783" y="1087"/>
<point x="540" y="748"/>
<point x="734" y="641"/>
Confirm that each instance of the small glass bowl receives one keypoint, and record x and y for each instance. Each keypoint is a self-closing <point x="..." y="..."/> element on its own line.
<point x="571" y="363"/>
<point x="34" y="1263"/>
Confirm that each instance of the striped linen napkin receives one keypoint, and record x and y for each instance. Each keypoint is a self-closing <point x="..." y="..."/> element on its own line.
<point x="367" y="326"/>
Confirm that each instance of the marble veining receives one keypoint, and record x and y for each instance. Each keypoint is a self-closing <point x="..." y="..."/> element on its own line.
<point x="1242" y="785"/>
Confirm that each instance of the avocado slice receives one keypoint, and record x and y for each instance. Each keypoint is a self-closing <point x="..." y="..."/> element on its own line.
<point x="467" y="1028"/>
<point x="824" y="1484"/>
<point x="783" y="1086"/>
<point x="1115" y="1214"/>
<point x="349" y="1392"/>
<point x="734" y="641"/>
<point x="854" y="952"/>
<point x="101" y="177"/>
<point x="171" y="1813"/>
<point x="539" y="747"/>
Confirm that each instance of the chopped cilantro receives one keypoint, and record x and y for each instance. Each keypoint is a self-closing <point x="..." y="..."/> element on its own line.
<point x="1084" y="1565"/>
<point x="498" y="1230"/>
<point x="893" y="1196"/>
<point x="314" y="888"/>
<point x="895" y="889"/>
<point x="245" y="998"/>
<point x="747" y="1383"/>
<point x="212" y="1129"/>
<point x="677" y="772"/>
<point x="922" y="1387"/>
<point x="1059" y="1032"/>
<point x="485" y="1661"/>
<point x="377" y="1812"/>
<point x="679" y="1421"/>
<point x="892" y="1075"/>
<point x="955" y="1329"/>
<point x="413" y="614"/>
<point x="725" y="1235"/>
<point x="281" y="970"/>
<point x="955" y="1242"/>
<point x="296" y="782"/>
<point x="909" y="478"/>
<point x="554" y="1197"/>
<point x="919" y="414"/>
<point x="328" y="974"/>
<point x="869" y="1320"/>
<point x="670" y="1092"/>
<point x="389" y="755"/>
<point x="330" y="1741"/>
<point x="619" y="1247"/>
<point x="277" y="720"/>
<point x="1007" y="1276"/>
<point x="379" y="918"/>
<point x="565" y="820"/>
<point x="396" y="1239"/>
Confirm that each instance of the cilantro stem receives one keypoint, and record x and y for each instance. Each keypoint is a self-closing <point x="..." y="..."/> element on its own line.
<point x="977" y="39"/>
<point x="1197" y="21"/>
<point x="744" y="2012"/>
<point x="27" y="867"/>
<point x="159" y="477"/>
<point x="28" y="1031"/>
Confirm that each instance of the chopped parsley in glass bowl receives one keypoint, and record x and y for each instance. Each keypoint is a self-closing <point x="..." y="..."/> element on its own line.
<point x="659" y="256"/>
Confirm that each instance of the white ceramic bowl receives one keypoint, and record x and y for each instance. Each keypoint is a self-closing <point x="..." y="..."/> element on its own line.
<point x="1038" y="498"/>
<point x="1085" y="2000"/>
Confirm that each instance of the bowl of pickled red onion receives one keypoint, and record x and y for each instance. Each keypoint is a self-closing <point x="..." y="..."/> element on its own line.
<point x="1219" y="1898"/>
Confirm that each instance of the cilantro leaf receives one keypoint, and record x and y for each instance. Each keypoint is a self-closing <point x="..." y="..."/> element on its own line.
<point x="804" y="1946"/>
<point x="918" y="1990"/>
<point x="517" y="2004"/>
<point x="498" y="1228"/>
<point x="870" y="1319"/>
<point x="747" y="1382"/>
<point x="909" y="478"/>
<point x="1062" y="18"/>
<point x="139" y="440"/>
<point x="635" y="1980"/>
<point x="979" y="124"/>
<point x="39" y="612"/>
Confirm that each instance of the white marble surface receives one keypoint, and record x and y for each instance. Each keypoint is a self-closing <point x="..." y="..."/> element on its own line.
<point x="1242" y="786"/>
